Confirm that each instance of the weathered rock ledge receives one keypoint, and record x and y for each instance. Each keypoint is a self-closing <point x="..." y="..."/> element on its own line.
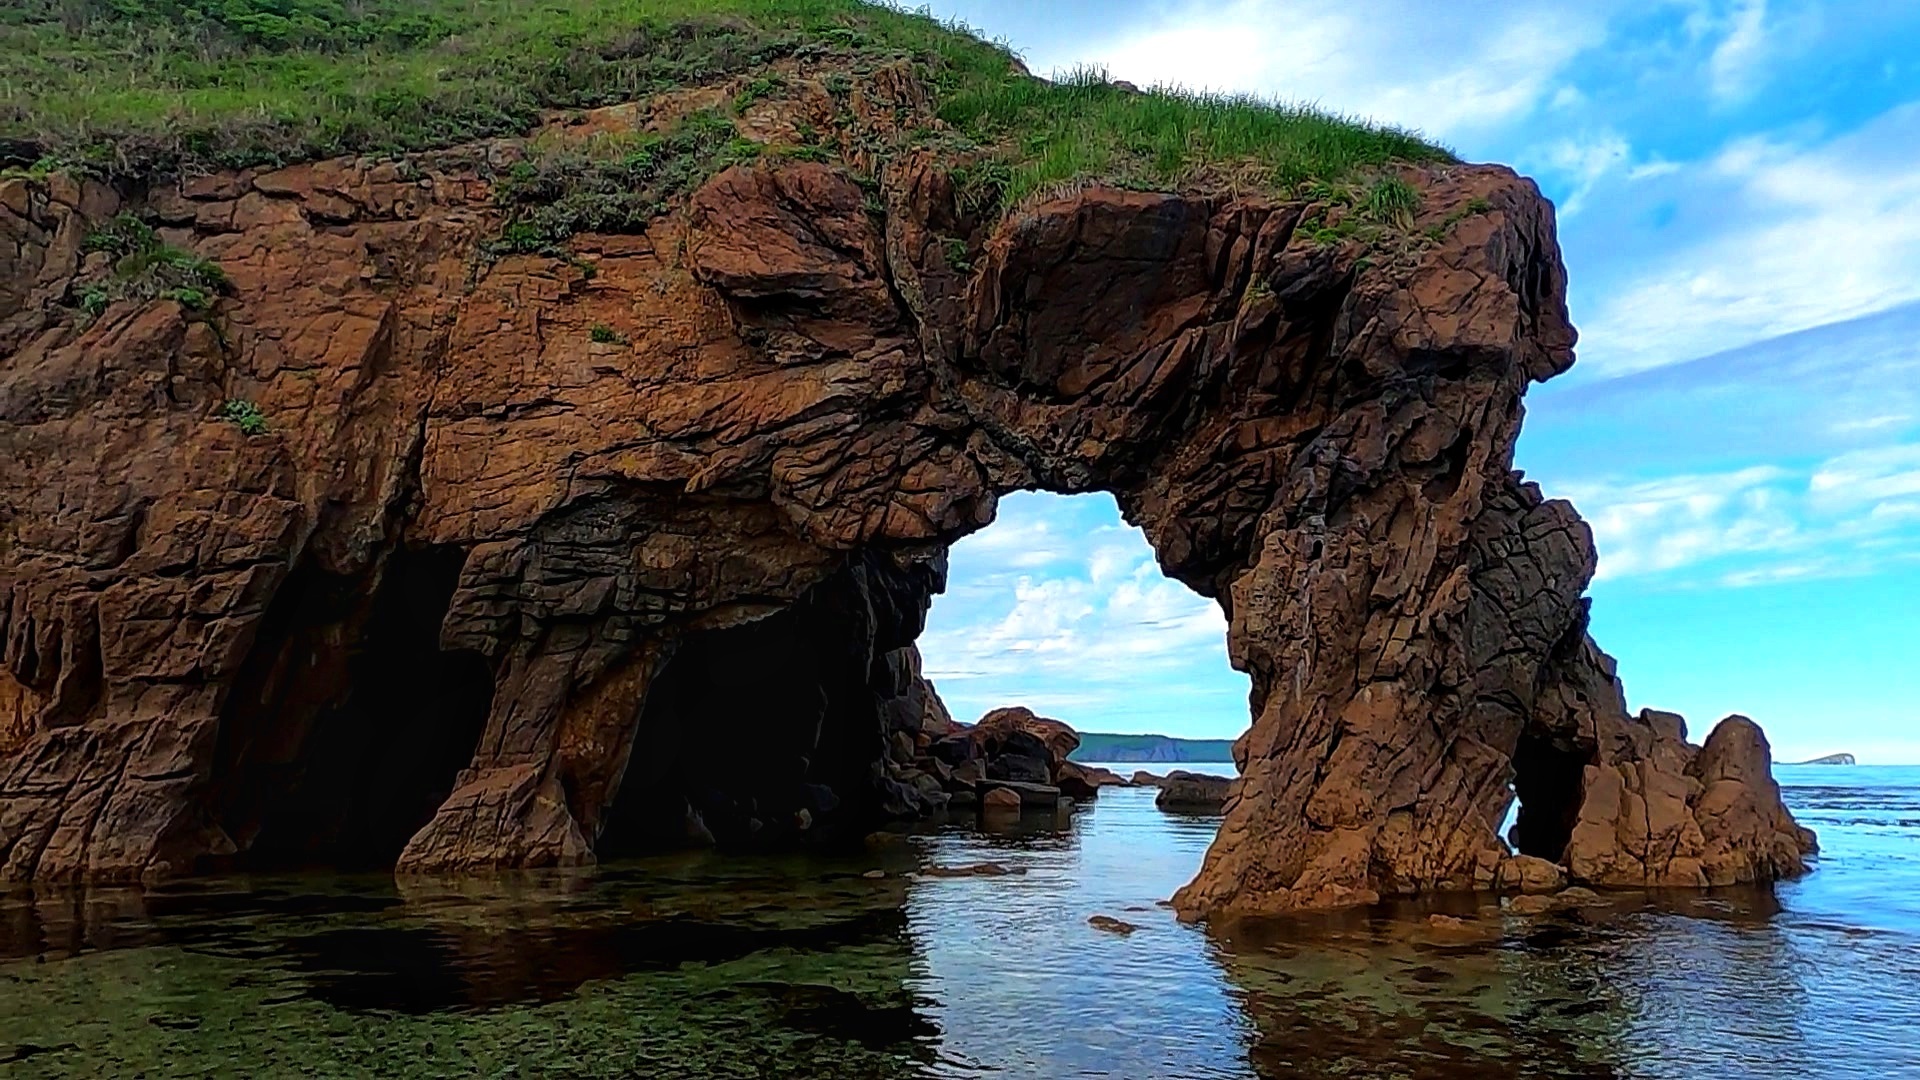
<point x="534" y="564"/>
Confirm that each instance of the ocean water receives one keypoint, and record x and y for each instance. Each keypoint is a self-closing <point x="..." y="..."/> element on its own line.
<point x="866" y="965"/>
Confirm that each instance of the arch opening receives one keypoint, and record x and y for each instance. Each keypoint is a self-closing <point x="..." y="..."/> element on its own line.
<point x="1549" y="780"/>
<point x="1062" y="606"/>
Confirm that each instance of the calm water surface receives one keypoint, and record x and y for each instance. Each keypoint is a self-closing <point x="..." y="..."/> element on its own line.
<point x="700" y="966"/>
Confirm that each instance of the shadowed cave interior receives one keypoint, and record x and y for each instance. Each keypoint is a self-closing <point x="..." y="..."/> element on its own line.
<point x="743" y="728"/>
<point x="1549" y="779"/>
<point x="349" y="723"/>
<point x="772" y="731"/>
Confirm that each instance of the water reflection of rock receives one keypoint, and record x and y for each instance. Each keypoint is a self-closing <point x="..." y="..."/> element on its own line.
<point x="1593" y="990"/>
<point x="1029" y="830"/>
<point x="640" y="970"/>
<point x="55" y="922"/>
<point x="476" y="943"/>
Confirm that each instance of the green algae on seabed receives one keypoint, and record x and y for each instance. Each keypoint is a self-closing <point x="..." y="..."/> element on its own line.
<point x="303" y="977"/>
<point x="1379" y="993"/>
<point x="704" y="966"/>
<point x="170" y="1011"/>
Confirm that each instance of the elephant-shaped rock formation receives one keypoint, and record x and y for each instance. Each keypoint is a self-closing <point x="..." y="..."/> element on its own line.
<point x="544" y="558"/>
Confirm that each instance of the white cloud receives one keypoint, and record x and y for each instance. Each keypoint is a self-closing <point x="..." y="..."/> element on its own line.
<point x="1402" y="62"/>
<point x="1567" y="97"/>
<point x="1844" y="516"/>
<point x="1097" y="633"/>
<point x="1023" y="544"/>
<point x="1078" y="625"/>
<point x="1653" y="526"/>
<point x="1584" y="162"/>
<point x="1868" y="476"/>
<point x="1653" y="170"/>
<point x="1736" y="66"/>
<point x="1870" y="423"/>
<point x="1793" y="235"/>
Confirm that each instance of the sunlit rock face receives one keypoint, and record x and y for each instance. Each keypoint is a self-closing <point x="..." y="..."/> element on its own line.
<point x="531" y="563"/>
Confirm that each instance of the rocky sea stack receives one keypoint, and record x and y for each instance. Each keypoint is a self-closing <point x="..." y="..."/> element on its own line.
<point x="562" y="462"/>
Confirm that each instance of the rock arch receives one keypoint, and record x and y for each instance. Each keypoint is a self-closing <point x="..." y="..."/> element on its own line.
<point x="804" y="396"/>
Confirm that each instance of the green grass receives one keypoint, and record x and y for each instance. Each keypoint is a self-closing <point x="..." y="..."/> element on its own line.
<point x="132" y="87"/>
<point x="1081" y="126"/>
<point x="611" y="183"/>
<point x="762" y="86"/>
<point x="1391" y="201"/>
<point x="143" y="268"/>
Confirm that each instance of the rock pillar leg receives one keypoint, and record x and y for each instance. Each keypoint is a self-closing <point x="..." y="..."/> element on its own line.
<point x="548" y="765"/>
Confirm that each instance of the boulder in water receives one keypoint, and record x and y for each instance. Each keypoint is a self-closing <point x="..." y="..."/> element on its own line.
<point x="1031" y="796"/>
<point x="1194" y="793"/>
<point x="1000" y="800"/>
<point x="1528" y="874"/>
<point x="1083" y="782"/>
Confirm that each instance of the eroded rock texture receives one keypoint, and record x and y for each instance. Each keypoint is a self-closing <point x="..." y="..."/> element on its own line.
<point x="497" y="588"/>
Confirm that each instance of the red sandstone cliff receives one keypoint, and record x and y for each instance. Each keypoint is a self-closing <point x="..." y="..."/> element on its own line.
<point x="525" y="547"/>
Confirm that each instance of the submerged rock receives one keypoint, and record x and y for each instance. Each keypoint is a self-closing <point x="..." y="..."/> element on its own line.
<point x="1455" y="928"/>
<point x="1032" y="796"/>
<point x="985" y="869"/>
<point x="1111" y="925"/>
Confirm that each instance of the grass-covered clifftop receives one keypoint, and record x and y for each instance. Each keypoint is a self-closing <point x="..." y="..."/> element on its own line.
<point x="134" y="87"/>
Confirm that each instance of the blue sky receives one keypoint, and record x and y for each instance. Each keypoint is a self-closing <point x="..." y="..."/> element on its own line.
<point x="1739" y="194"/>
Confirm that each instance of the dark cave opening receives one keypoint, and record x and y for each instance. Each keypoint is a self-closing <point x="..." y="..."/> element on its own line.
<point x="339" y="775"/>
<point x="770" y="732"/>
<point x="1549" y="776"/>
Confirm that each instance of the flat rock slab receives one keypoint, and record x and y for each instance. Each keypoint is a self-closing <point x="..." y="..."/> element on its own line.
<point x="1032" y="796"/>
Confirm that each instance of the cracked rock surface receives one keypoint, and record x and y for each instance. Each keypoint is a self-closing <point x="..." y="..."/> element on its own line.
<point x="522" y="544"/>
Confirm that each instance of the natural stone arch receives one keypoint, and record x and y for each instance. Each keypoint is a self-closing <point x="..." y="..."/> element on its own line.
<point x="1326" y="452"/>
<point x="1310" y="445"/>
<point x="805" y="393"/>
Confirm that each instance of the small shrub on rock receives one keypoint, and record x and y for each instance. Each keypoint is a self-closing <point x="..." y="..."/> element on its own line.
<point x="246" y="416"/>
<point x="144" y="268"/>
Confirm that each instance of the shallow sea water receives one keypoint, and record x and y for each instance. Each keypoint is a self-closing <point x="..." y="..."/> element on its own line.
<point x="704" y="966"/>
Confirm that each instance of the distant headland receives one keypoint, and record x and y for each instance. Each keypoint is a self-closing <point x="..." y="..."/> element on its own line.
<point x="1830" y="759"/>
<point x="1095" y="746"/>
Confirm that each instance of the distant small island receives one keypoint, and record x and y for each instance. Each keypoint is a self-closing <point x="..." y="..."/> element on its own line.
<point x="1830" y="759"/>
<point x="1096" y="746"/>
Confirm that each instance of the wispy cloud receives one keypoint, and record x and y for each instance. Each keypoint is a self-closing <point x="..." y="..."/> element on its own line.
<point x="1738" y="61"/>
<point x="1097" y="632"/>
<point x="1399" y="61"/>
<point x="1852" y="514"/>
<point x="1877" y="477"/>
<point x="1777" y="233"/>
<point x="1585" y="161"/>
